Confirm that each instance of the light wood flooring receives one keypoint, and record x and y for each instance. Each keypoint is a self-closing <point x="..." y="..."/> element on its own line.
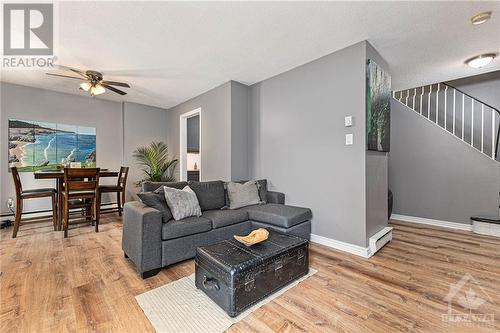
<point x="84" y="284"/>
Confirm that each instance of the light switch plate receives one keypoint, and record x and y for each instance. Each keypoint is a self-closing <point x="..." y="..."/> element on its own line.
<point x="349" y="139"/>
<point x="348" y="121"/>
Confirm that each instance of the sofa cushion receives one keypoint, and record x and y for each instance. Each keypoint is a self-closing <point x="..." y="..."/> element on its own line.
<point x="279" y="215"/>
<point x="222" y="218"/>
<point x="158" y="186"/>
<point x="156" y="201"/>
<point x="210" y="194"/>
<point x="185" y="227"/>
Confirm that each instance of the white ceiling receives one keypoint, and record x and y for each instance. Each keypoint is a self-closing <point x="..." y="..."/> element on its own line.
<point x="170" y="52"/>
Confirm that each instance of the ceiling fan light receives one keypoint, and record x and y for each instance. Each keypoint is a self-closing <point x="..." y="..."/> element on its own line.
<point x="97" y="90"/>
<point x="480" y="60"/>
<point x="85" y="86"/>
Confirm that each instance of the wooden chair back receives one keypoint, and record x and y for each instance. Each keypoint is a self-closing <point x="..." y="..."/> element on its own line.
<point x="76" y="179"/>
<point x="17" y="181"/>
<point x="122" y="177"/>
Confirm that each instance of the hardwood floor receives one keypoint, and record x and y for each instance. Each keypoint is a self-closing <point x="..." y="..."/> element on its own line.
<point x="83" y="283"/>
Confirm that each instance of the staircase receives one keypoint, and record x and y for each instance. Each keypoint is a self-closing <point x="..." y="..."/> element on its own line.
<point x="474" y="122"/>
<point x="470" y="120"/>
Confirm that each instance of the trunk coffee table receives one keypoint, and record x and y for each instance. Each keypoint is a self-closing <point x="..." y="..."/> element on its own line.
<point x="236" y="276"/>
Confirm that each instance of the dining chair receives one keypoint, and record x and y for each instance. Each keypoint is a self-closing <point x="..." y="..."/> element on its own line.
<point x="21" y="195"/>
<point x="80" y="192"/>
<point x="119" y="189"/>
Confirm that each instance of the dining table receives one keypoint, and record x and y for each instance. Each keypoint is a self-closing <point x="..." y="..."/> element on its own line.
<point x="58" y="176"/>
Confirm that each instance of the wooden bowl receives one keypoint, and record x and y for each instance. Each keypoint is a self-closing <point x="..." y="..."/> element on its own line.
<point x="255" y="237"/>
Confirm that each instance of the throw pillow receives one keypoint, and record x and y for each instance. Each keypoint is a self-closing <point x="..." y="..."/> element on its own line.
<point x="182" y="203"/>
<point x="210" y="194"/>
<point x="156" y="201"/>
<point x="261" y="185"/>
<point x="242" y="195"/>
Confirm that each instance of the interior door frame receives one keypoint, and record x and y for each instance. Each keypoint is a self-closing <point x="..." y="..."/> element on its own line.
<point x="183" y="143"/>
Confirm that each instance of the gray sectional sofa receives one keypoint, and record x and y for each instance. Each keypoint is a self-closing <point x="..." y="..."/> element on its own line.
<point x="151" y="243"/>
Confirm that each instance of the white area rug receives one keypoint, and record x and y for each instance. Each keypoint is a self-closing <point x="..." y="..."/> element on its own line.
<point x="180" y="307"/>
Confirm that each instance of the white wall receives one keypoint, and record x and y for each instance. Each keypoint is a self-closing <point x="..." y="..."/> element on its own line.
<point x="119" y="131"/>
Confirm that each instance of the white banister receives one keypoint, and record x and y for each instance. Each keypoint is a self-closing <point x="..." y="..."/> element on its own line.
<point x="463" y="115"/>
<point x="437" y="103"/>
<point x="429" y="103"/>
<point x="454" y="99"/>
<point x="493" y="133"/>
<point x="445" y="102"/>
<point x="414" y="94"/>
<point x="421" y="98"/>
<point x="472" y="124"/>
<point x="482" y="128"/>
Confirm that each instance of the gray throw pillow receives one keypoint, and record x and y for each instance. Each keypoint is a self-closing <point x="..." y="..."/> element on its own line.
<point x="182" y="203"/>
<point x="210" y="194"/>
<point x="242" y="195"/>
<point x="156" y="201"/>
<point x="261" y="185"/>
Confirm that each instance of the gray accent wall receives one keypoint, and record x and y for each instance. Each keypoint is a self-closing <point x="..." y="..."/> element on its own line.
<point x="142" y="124"/>
<point x="215" y="107"/>
<point x="239" y="131"/>
<point x="435" y="175"/>
<point x="224" y="118"/>
<point x="297" y="141"/>
<point x="120" y="129"/>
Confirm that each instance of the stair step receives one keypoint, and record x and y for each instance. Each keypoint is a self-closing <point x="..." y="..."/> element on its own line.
<point x="485" y="220"/>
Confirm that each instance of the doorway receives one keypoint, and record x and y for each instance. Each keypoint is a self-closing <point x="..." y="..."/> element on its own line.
<point x="190" y="146"/>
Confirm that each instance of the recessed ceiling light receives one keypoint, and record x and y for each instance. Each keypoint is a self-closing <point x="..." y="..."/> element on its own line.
<point x="480" y="18"/>
<point x="480" y="60"/>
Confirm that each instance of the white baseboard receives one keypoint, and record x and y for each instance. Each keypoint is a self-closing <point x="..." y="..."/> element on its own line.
<point x="342" y="246"/>
<point x="437" y="223"/>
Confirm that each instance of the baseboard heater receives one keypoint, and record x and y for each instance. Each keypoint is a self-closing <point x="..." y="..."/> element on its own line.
<point x="381" y="238"/>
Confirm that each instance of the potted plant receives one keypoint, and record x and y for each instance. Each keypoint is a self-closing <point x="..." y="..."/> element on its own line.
<point x="155" y="163"/>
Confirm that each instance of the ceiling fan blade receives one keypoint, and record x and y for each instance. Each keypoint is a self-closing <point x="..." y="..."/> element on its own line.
<point x="114" y="83"/>
<point x="79" y="72"/>
<point x="66" y="76"/>
<point x="113" y="89"/>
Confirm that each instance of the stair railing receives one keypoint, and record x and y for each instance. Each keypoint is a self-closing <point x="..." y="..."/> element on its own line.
<point x="471" y="120"/>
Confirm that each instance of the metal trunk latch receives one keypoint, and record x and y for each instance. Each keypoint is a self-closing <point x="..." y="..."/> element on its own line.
<point x="278" y="265"/>
<point x="300" y="256"/>
<point x="249" y="281"/>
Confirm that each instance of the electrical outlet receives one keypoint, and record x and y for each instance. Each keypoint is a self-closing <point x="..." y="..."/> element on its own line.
<point x="10" y="203"/>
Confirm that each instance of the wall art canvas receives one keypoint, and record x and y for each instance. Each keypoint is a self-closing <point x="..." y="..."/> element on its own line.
<point x="36" y="145"/>
<point x="378" y="108"/>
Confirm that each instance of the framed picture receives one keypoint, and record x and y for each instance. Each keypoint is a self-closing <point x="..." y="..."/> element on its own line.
<point x="36" y="145"/>
<point x="378" y="108"/>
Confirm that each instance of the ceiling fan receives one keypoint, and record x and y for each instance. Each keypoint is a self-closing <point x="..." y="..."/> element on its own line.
<point x="94" y="82"/>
